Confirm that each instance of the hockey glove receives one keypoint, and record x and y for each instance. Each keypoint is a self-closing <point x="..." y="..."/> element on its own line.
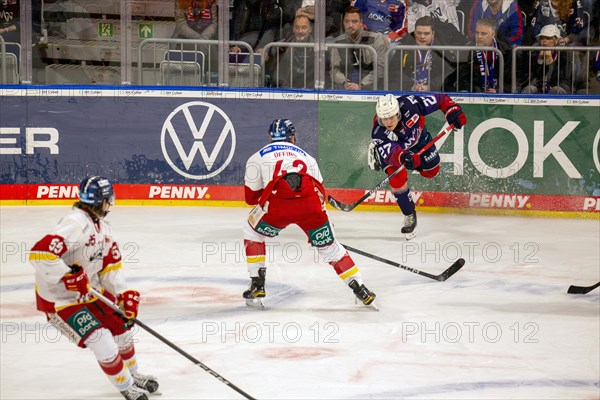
<point x="373" y="157"/>
<point x="76" y="280"/>
<point x="410" y="160"/>
<point x="454" y="114"/>
<point x="129" y="302"/>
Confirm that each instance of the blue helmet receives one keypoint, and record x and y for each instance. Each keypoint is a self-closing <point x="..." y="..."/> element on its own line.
<point x="282" y="130"/>
<point x="94" y="189"/>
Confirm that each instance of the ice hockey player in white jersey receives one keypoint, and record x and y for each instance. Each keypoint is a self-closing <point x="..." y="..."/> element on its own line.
<point x="285" y="185"/>
<point x="80" y="251"/>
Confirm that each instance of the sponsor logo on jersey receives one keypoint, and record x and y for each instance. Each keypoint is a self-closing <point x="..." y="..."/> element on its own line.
<point x="266" y="229"/>
<point x="322" y="236"/>
<point x="393" y="7"/>
<point x="380" y="18"/>
<point x="499" y="200"/>
<point x="198" y="128"/>
<point x="83" y="322"/>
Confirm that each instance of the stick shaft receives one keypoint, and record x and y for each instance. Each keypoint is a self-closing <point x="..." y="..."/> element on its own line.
<point x="157" y="335"/>
<point x="352" y="206"/>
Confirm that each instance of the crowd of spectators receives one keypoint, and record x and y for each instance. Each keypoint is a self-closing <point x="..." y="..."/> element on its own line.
<point x="410" y="45"/>
<point x="498" y="24"/>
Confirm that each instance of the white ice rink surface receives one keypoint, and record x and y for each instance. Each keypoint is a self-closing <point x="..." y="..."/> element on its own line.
<point x="501" y="328"/>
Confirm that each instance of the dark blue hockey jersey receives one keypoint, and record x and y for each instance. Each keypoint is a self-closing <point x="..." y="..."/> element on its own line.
<point x="410" y="134"/>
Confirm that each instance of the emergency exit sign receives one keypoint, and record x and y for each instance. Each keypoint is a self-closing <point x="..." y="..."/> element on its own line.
<point x="145" y="31"/>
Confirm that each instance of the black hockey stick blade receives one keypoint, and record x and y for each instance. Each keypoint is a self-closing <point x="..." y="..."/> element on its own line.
<point x="582" y="289"/>
<point x="457" y="265"/>
<point x="341" y="206"/>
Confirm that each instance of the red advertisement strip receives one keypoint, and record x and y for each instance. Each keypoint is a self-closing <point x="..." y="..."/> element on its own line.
<point x="234" y="195"/>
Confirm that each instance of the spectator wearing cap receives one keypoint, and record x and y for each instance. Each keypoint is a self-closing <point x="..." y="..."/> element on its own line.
<point x="550" y="70"/>
<point x="507" y="14"/>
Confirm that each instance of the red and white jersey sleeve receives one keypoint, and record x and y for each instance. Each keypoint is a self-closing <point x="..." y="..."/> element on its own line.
<point x="277" y="159"/>
<point x="76" y="239"/>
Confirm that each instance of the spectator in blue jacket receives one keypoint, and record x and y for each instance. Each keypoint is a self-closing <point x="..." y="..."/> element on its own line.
<point x="385" y="16"/>
<point x="567" y="15"/>
<point x="508" y="15"/>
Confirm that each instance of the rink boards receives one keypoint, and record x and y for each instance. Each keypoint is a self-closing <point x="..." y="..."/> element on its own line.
<point x="522" y="155"/>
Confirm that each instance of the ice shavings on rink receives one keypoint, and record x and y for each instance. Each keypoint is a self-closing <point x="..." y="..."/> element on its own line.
<point x="502" y="327"/>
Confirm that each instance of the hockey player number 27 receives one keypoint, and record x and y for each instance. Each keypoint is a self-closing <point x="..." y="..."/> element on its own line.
<point x="300" y="166"/>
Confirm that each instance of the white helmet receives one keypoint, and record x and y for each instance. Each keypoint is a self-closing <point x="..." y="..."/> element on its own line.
<point x="387" y="106"/>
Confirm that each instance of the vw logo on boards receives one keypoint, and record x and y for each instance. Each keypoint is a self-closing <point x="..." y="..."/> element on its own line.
<point x="198" y="128"/>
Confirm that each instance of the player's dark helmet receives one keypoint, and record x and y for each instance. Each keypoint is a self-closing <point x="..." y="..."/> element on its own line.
<point x="93" y="190"/>
<point x="282" y="130"/>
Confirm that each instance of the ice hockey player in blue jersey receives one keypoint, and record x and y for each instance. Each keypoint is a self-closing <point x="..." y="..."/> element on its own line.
<point x="398" y="134"/>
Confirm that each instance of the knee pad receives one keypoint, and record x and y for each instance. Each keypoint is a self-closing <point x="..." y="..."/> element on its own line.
<point x="124" y="340"/>
<point x="332" y="253"/>
<point x="399" y="180"/>
<point x="430" y="173"/>
<point x="103" y="344"/>
<point x="251" y="234"/>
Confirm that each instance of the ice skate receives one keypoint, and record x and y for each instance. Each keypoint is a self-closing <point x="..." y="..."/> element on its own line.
<point x="362" y="293"/>
<point x="410" y="223"/>
<point x="135" y="393"/>
<point x="256" y="292"/>
<point x="146" y="382"/>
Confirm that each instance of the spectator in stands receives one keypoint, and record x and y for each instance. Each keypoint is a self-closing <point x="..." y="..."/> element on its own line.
<point x="294" y="66"/>
<point x="481" y="72"/>
<point x="259" y="22"/>
<point x="196" y="19"/>
<point x="334" y="12"/>
<point x="384" y="16"/>
<point x="445" y="18"/>
<point x="507" y="14"/>
<point x="597" y="66"/>
<point x="9" y="23"/>
<point x="441" y="10"/>
<point x="354" y="69"/>
<point x="567" y="15"/>
<point x="422" y="70"/>
<point x="549" y="69"/>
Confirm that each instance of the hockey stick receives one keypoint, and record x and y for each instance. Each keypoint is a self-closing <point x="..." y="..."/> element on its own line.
<point x="168" y="343"/>
<point x="349" y="207"/>
<point x="458" y="264"/>
<point x="582" y="289"/>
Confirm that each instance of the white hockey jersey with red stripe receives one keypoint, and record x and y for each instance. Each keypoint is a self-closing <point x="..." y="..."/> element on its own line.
<point x="274" y="161"/>
<point x="76" y="239"/>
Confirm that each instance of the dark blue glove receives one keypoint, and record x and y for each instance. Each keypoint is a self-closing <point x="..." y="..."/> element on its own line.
<point x="455" y="116"/>
<point x="410" y="160"/>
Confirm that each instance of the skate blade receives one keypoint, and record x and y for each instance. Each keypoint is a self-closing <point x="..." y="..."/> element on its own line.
<point x="257" y="304"/>
<point x="409" y="236"/>
<point x="366" y="307"/>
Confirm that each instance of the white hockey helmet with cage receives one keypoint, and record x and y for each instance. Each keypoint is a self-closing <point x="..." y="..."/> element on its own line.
<point x="387" y="106"/>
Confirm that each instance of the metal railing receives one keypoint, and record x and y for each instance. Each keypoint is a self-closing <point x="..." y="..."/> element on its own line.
<point x="572" y="70"/>
<point x="193" y="45"/>
<point x="3" y="60"/>
<point x="454" y="53"/>
<point x="279" y="66"/>
<point x="348" y="72"/>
